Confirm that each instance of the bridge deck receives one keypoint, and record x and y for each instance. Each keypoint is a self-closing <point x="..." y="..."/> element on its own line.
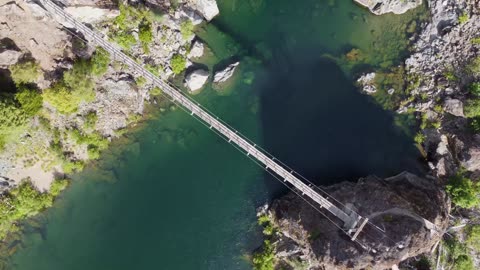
<point x="350" y="221"/>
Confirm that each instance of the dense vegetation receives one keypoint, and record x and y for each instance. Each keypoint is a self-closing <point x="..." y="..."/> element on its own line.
<point x="463" y="191"/>
<point x="178" y="63"/>
<point x="131" y="18"/>
<point x="457" y="255"/>
<point x="16" y="108"/>
<point x="25" y="201"/>
<point x="472" y="105"/>
<point x="77" y="85"/>
<point x="264" y="258"/>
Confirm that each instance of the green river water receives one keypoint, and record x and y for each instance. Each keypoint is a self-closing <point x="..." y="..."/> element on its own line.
<point x="173" y="195"/>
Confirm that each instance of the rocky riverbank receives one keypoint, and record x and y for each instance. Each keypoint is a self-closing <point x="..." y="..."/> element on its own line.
<point x="29" y="35"/>
<point x="441" y="89"/>
<point x="64" y="101"/>
<point x="411" y="214"/>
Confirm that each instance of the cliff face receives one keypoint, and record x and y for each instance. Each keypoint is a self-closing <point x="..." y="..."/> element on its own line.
<point x="410" y="212"/>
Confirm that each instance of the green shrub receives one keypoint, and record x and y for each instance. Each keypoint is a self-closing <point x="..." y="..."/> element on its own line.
<point x="153" y="69"/>
<point x="458" y="257"/>
<point x="76" y="87"/>
<point x="186" y="29"/>
<point x="94" y="141"/>
<point x="475" y="124"/>
<point x="57" y="186"/>
<point x="463" y="191"/>
<point x="140" y="81"/>
<point x="265" y="259"/>
<point x="70" y="167"/>
<point x="25" y="201"/>
<point x="25" y="72"/>
<point x="156" y="91"/>
<point x="474" y="89"/>
<point x="90" y="121"/>
<point x="419" y="138"/>
<point x="178" y="63"/>
<point x="99" y="62"/>
<point x="65" y="100"/>
<point x="21" y="202"/>
<point x="464" y="262"/>
<point x="474" y="66"/>
<point x="145" y="34"/>
<point x="473" y="237"/>
<point x="475" y="41"/>
<point x="423" y="264"/>
<point x="462" y="19"/>
<point x="11" y="115"/>
<point x="30" y="100"/>
<point x="472" y="108"/>
<point x="124" y="40"/>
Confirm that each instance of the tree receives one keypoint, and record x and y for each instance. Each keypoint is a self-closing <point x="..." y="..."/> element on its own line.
<point x="25" y="72"/>
<point x="463" y="191"/>
<point x="145" y="34"/>
<point x="99" y="62"/>
<point x="186" y="29"/>
<point x="473" y="237"/>
<point x="30" y="100"/>
<point x="178" y="63"/>
<point x="264" y="260"/>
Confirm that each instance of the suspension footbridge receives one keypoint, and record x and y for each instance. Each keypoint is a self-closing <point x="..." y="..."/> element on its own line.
<point x="352" y="223"/>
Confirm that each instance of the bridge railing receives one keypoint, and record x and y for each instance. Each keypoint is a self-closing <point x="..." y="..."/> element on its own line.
<point x="198" y="111"/>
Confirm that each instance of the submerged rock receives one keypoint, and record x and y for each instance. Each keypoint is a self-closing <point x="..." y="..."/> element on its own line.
<point x="225" y="74"/>
<point x="380" y="7"/>
<point x="196" y="79"/>
<point x="410" y="212"/>
<point x="197" y="50"/>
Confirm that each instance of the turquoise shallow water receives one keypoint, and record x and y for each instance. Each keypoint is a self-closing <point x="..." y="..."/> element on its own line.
<point x="172" y="195"/>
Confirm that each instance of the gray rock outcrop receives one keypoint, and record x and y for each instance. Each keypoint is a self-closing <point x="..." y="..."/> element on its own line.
<point x="197" y="50"/>
<point x="380" y="7"/>
<point x="225" y="74"/>
<point x="412" y="212"/>
<point x="454" y="107"/>
<point x="92" y="14"/>
<point x="367" y="83"/>
<point x="9" y="57"/>
<point x="207" y="8"/>
<point x="196" y="79"/>
<point x="26" y="25"/>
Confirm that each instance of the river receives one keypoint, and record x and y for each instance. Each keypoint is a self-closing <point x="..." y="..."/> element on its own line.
<point x="173" y="195"/>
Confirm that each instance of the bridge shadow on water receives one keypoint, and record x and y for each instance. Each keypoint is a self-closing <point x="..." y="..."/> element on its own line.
<point x="317" y="122"/>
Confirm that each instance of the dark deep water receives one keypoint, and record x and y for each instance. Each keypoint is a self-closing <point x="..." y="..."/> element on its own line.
<point x="172" y="195"/>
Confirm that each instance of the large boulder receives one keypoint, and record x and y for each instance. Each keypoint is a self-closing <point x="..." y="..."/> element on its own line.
<point x="380" y="7"/>
<point x="454" y="107"/>
<point x="196" y="79"/>
<point x="31" y="31"/>
<point x="208" y="8"/>
<point x="410" y="214"/>
<point x="197" y="50"/>
<point x="92" y="15"/>
<point x="225" y="74"/>
<point x="9" y="57"/>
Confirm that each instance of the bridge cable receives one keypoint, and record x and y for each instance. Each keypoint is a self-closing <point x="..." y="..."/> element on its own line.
<point x="239" y="133"/>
